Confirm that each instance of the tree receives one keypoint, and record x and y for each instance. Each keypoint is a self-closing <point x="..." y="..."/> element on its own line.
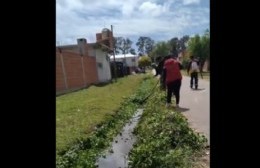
<point x="140" y="44"/>
<point x="149" y="45"/>
<point x="132" y="51"/>
<point x="144" y="61"/>
<point x="199" y="47"/>
<point x="123" y="45"/>
<point x="145" y="45"/>
<point x="178" y="45"/>
<point x="127" y="46"/>
<point x="205" y="47"/>
<point x="174" y="45"/>
<point x="195" y="46"/>
<point x="183" y="43"/>
<point x="117" y="42"/>
<point x="160" y="49"/>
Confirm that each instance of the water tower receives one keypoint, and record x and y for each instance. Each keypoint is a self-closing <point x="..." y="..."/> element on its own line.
<point x="105" y="33"/>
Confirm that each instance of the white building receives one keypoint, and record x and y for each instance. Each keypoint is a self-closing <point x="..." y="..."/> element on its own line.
<point x="103" y="66"/>
<point x="130" y="60"/>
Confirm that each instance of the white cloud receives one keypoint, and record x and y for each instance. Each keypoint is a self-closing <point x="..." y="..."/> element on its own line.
<point x="127" y="10"/>
<point x="160" y="20"/>
<point x="188" y="2"/>
<point x="151" y="9"/>
<point x="70" y="4"/>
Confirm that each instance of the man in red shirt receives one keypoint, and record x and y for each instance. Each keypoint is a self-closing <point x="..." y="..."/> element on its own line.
<point x="172" y="77"/>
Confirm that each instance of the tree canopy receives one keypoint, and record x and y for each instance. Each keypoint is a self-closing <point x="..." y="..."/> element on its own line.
<point x="123" y="45"/>
<point x="199" y="46"/>
<point x="145" y="45"/>
<point x="144" y="61"/>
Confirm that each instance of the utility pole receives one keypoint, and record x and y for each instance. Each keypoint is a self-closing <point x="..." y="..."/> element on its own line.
<point x="124" y="50"/>
<point x="115" y="68"/>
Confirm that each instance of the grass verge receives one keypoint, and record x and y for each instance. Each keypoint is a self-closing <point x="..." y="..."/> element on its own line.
<point x="79" y="112"/>
<point x="85" y="150"/>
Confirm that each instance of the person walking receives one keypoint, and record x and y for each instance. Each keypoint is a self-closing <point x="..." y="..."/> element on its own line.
<point x="159" y="71"/>
<point x="193" y="70"/>
<point x="172" y="77"/>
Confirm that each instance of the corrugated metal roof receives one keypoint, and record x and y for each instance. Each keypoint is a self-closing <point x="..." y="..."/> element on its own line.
<point x="123" y="56"/>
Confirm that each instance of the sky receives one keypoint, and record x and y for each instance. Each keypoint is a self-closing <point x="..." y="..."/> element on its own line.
<point x="160" y="20"/>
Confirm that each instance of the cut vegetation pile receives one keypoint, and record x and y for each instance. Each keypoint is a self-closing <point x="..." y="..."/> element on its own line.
<point x="164" y="138"/>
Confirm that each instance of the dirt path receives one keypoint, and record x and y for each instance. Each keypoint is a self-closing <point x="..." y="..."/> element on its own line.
<point x="196" y="103"/>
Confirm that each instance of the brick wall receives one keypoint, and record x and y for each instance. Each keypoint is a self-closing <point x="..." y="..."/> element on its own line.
<point x="74" y="71"/>
<point x="71" y="75"/>
<point x="91" y="73"/>
<point x="60" y="81"/>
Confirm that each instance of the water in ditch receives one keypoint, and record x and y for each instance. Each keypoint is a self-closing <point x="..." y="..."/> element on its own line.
<point x="117" y="155"/>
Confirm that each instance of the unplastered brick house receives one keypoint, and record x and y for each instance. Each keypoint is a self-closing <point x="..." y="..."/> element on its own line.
<point x="83" y="64"/>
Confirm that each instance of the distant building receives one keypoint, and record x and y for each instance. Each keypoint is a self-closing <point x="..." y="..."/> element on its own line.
<point x="129" y="60"/>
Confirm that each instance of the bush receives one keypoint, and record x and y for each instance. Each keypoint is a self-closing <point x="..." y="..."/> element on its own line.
<point x="144" y="61"/>
<point x="185" y="64"/>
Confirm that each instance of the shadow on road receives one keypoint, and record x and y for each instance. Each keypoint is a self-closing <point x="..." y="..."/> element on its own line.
<point x="181" y="109"/>
<point x="199" y="89"/>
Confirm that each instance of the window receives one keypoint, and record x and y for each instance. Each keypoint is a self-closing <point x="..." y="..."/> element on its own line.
<point x="100" y="65"/>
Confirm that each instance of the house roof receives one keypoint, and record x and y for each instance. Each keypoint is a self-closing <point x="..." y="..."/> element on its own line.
<point x="72" y="46"/>
<point x="123" y="56"/>
<point x="67" y="47"/>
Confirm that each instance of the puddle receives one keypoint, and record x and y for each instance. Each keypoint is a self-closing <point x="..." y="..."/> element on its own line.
<point x="117" y="155"/>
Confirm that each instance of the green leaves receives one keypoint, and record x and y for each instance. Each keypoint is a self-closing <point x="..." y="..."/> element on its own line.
<point x="199" y="46"/>
<point x="144" y="61"/>
<point x="145" y="45"/>
<point x="164" y="138"/>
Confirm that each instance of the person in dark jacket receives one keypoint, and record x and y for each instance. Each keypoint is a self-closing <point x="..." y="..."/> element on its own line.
<point x="172" y="78"/>
<point x="159" y="67"/>
<point x="159" y="71"/>
<point x="193" y="70"/>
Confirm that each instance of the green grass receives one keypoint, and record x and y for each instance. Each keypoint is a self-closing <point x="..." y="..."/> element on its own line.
<point x="164" y="138"/>
<point x="79" y="112"/>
